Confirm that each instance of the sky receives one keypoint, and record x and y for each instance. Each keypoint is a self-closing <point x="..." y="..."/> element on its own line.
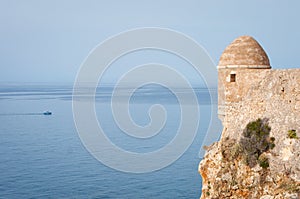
<point x="47" y="41"/>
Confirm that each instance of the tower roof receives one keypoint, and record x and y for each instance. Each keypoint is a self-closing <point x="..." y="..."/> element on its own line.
<point x="244" y="52"/>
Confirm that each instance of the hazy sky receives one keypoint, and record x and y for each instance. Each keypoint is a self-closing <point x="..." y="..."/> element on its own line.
<point x="46" y="41"/>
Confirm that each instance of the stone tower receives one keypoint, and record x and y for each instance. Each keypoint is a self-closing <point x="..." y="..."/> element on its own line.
<point x="241" y="63"/>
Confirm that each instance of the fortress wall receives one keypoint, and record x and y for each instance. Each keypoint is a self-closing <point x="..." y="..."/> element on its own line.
<point x="271" y="94"/>
<point x="264" y="93"/>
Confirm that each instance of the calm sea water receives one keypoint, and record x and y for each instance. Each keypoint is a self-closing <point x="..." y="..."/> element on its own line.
<point x="43" y="157"/>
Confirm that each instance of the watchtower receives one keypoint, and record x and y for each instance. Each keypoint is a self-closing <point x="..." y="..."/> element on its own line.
<point x="238" y="69"/>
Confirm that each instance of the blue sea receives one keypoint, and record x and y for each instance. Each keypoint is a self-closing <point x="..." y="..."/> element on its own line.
<point x="42" y="156"/>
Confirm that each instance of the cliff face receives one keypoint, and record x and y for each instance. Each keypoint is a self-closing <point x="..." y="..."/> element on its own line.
<point x="256" y="158"/>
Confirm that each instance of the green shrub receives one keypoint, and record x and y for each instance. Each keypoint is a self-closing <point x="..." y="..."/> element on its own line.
<point x="263" y="161"/>
<point x="271" y="145"/>
<point x="255" y="141"/>
<point x="292" y="134"/>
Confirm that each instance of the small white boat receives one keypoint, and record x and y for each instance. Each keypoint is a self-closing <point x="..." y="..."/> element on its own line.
<point x="47" y="113"/>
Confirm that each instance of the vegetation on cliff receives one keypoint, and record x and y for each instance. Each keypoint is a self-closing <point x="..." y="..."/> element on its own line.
<point x="241" y="167"/>
<point x="255" y="141"/>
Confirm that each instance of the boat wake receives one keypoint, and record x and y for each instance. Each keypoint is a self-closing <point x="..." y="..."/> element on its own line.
<point x="12" y="114"/>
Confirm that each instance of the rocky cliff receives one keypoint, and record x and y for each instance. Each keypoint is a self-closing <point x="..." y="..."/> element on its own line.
<point x="258" y="155"/>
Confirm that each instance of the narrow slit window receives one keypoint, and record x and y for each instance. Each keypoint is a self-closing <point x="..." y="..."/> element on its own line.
<point x="232" y="77"/>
